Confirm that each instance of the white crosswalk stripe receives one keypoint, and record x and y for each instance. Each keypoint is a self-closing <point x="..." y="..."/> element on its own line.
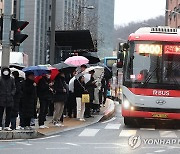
<point x="89" y="132"/>
<point x="112" y="126"/>
<point x="168" y="134"/>
<point x="127" y="133"/>
<point x="147" y="129"/>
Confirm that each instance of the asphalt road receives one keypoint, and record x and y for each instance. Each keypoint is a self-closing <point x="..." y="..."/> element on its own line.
<point x="108" y="137"/>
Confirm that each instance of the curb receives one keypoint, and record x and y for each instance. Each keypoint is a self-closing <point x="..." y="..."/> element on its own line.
<point x="110" y="111"/>
<point x="33" y="134"/>
<point x="19" y="134"/>
<point x="106" y="114"/>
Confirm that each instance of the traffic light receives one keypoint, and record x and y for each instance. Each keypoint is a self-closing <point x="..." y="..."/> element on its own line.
<point x="17" y="27"/>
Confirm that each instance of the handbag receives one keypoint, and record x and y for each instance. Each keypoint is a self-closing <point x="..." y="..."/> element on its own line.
<point x="85" y="98"/>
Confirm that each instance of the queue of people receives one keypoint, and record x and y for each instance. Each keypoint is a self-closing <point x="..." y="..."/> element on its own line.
<point x="19" y="98"/>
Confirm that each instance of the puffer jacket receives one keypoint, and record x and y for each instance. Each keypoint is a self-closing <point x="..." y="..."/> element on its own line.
<point x="7" y="89"/>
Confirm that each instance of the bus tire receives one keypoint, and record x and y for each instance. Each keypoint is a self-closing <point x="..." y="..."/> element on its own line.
<point x="128" y="121"/>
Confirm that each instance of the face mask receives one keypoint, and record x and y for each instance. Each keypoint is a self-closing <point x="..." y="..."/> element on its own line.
<point x="6" y="72"/>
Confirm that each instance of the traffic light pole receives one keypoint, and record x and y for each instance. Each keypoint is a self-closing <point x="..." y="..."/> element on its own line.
<point x="6" y="46"/>
<point x="52" y="33"/>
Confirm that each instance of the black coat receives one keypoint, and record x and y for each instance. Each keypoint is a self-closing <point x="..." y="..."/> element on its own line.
<point x="43" y="89"/>
<point x="90" y="86"/>
<point x="17" y="97"/>
<point x="59" y="86"/>
<point x="7" y="91"/>
<point x="79" y="88"/>
<point x="29" y="98"/>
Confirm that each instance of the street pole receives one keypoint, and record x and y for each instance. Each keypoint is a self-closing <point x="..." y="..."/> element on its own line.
<point x="166" y="14"/>
<point x="7" y="17"/>
<point x="52" y="32"/>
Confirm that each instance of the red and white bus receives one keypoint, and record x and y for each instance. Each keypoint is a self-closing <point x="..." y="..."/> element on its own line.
<point x="151" y="75"/>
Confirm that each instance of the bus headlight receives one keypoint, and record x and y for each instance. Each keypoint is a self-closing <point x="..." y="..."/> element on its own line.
<point x="132" y="108"/>
<point x="126" y="104"/>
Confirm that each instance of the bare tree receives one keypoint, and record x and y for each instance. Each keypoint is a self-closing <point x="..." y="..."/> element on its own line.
<point x="80" y="19"/>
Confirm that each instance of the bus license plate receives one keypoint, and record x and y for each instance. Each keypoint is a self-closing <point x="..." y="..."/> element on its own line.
<point x="159" y="115"/>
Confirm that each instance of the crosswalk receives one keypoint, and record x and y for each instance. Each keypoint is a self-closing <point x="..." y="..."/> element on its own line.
<point x="127" y="132"/>
<point x="112" y="126"/>
<point x="89" y="132"/>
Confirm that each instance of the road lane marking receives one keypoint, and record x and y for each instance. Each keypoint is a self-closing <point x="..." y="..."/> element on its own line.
<point x="107" y="147"/>
<point x="148" y="129"/>
<point x="127" y="133"/>
<point x="112" y="126"/>
<point x="89" y="132"/>
<point x="168" y="134"/>
<point x="44" y="138"/>
<point x="73" y="144"/>
<point x="159" y="151"/>
<point x="110" y="120"/>
<point x="23" y="143"/>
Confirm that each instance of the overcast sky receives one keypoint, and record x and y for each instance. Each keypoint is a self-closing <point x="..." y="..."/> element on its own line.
<point x="137" y="10"/>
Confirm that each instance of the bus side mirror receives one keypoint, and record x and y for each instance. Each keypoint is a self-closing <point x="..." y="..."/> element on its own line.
<point x="120" y="59"/>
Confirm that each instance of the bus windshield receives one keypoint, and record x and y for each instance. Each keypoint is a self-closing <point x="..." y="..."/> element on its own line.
<point x="153" y="63"/>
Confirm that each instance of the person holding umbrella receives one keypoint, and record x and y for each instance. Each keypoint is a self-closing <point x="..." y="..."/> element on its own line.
<point x="79" y="89"/>
<point x="45" y="94"/>
<point x="90" y="85"/>
<point x="60" y="97"/>
<point x="29" y="98"/>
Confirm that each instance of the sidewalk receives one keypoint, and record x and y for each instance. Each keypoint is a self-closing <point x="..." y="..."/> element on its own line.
<point x="69" y="124"/>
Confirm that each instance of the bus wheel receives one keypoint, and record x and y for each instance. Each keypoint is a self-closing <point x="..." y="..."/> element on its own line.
<point x="128" y="121"/>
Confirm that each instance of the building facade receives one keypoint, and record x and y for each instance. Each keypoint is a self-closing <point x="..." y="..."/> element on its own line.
<point x="173" y="13"/>
<point x="99" y="19"/>
<point x="104" y="17"/>
<point x="70" y="14"/>
<point x="1" y="7"/>
<point x="36" y="12"/>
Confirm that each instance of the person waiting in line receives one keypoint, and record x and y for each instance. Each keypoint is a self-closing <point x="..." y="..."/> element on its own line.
<point x="79" y="89"/>
<point x="90" y="86"/>
<point x="60" y="97"/>
<point x="45" y="94"/>
<point x="103" y="91"/>
<point x="7" y="91"/>
<point x="29" y="98"/>
<point x="72" y="100"/>
<point x="17" y="99"/>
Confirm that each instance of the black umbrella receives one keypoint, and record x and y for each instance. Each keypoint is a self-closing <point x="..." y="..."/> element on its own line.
<point x="63" y="66"/>
<point x="91" y="56"/>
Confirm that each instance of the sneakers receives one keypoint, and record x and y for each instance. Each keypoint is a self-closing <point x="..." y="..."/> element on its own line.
<point x="7" y="129"/>
<point x="19" y="128"/>
<point x="58" y="124"/>
<point x="82" y="120"/>
<point x="28" y="128"/>
<point x="43" y="127"/>
<point x="0" y="128"/>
